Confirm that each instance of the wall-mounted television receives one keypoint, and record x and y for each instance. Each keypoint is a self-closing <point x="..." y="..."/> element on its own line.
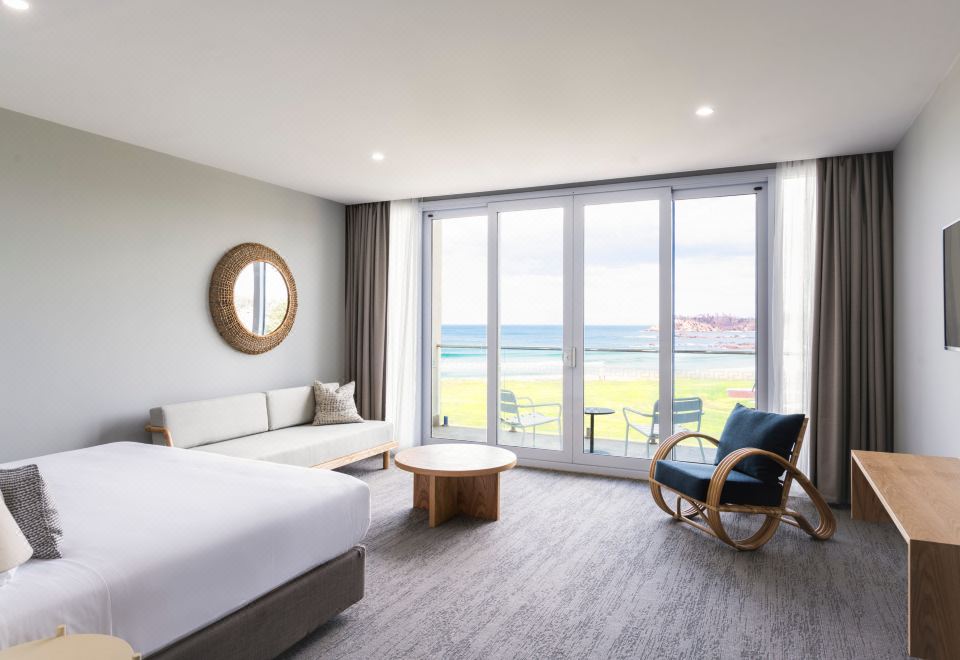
<point x="951" y="286"/>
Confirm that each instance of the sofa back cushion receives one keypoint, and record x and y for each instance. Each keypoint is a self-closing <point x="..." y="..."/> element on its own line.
<point x="291" y="406"/>
<point x="213" y="420"/>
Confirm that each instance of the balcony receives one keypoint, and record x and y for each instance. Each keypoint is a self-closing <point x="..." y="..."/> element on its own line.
<point x="710" y="380"/>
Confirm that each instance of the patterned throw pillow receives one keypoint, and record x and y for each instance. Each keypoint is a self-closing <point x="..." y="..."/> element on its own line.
<point x="26" y="496"/>
<point x="334" y="406"/>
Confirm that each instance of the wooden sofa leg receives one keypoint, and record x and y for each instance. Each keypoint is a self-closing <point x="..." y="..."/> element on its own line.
<point x="386" y="460"/>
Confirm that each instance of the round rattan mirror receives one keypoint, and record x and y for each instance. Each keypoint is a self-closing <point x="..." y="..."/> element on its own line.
<point x="253" y="298"/>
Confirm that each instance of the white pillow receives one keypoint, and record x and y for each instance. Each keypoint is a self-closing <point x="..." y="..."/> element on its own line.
<point x="14" y="547"/>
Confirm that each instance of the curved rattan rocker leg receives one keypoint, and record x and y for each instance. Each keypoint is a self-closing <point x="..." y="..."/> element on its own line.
<point x="689" y="514"/>
<point x="658" y="498"/>
<point x="752" y="542"/>
<point x="823" y="531"/>
<point x="691" y="511"/>
<point x="828" y="522"/>
<point x="664" y="449"/>
<point x="714" y="523"/>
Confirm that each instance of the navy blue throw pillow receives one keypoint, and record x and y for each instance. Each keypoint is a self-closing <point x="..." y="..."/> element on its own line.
<point x="747" y="427"/>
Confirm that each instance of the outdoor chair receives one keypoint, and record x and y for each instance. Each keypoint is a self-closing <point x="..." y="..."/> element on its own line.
<point x="523" y="416"/>
<point x="755" y="466"/>
<point x="687" y="415"/>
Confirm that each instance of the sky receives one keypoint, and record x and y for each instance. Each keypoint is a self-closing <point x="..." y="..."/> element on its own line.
<point x="715" y="245"/>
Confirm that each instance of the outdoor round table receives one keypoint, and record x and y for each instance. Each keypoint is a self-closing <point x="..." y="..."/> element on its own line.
<point x="592" y="411"/>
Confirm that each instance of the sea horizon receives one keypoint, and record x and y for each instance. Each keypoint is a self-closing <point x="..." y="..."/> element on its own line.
<point x="621" y="352"/>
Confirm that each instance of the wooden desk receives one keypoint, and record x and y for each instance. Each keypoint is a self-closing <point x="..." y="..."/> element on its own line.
<point x="921" y="495"/>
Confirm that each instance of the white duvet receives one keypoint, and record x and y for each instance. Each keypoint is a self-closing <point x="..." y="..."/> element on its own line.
<point x="160" y="542"/>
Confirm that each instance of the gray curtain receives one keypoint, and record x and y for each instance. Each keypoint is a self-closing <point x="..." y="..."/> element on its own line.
<point x="852" y="378"/>
<point x="368" y="239"/>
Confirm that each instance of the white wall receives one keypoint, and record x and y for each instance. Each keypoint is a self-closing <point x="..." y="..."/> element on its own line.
<point x="927" y="197"/>
<point x="106" y="252"/>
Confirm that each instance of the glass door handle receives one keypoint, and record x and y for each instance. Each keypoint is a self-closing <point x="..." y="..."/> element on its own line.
<point x="570" y="358"/>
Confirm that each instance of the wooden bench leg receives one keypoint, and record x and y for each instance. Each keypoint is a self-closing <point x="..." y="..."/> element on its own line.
<point x="933" y="600"/>
<point x="386" y="460"/>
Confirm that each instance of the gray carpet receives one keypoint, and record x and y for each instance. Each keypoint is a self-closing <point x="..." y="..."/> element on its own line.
<point x="587" y="567"/>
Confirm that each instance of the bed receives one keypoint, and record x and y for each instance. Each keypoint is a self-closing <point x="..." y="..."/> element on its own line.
<point x="178" y="552"/>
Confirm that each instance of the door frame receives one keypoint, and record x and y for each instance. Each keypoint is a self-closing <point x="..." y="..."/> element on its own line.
<point x="759" y="181"/>
<point x="762" y="251"/>
<point x="427" y="389"/>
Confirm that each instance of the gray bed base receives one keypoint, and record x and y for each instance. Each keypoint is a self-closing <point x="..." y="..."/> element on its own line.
<point x="276" y="621"/>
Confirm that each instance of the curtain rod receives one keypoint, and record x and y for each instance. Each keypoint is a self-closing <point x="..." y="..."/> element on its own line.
<point x="601" y="182"/>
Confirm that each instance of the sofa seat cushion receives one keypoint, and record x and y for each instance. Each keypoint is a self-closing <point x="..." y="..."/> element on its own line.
<point x="693" y="480"/>
<point x="213" y="420"/>
<point x="307" y="445"/>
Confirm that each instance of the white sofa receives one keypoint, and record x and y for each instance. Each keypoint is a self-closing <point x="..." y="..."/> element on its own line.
<point x="271" y="426"/>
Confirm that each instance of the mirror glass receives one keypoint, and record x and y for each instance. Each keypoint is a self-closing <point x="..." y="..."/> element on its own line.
<point x="261" y="297"/>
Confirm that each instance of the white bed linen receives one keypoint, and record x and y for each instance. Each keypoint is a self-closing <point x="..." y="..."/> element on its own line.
<point x="160" y="542"/>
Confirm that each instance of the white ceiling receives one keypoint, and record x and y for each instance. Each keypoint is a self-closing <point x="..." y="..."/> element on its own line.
<point x="473" y="95"/>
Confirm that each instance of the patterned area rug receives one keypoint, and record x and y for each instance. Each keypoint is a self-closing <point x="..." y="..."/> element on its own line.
<point x="587" y="567"/>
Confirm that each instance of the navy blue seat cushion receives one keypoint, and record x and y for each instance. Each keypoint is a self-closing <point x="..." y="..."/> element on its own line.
<point x="693" y="479"/>
<point x="747" y="427"/>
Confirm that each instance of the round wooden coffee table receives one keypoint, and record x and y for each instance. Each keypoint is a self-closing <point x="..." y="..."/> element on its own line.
<point x="452" y="479"/>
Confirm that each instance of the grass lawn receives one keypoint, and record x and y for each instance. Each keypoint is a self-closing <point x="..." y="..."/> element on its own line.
<point x="463" y="401"/>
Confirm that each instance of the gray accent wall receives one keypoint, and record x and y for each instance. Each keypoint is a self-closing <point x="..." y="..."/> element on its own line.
<point x="926" y="197"/>
<point x="106" y="252"/>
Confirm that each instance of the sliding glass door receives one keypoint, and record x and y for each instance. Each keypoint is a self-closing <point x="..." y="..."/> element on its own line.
<point x="621" y="268"/>
<point x="715" y="324"/>
<point x="457" y="330"/>
<point x="530" y="244"/>
<point x="587" y="328"/>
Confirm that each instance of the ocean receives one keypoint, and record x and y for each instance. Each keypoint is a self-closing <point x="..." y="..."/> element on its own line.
<point x="612" y="352"/>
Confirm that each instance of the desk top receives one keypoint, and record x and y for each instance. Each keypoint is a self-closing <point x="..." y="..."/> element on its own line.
<point x="921" y="493"/>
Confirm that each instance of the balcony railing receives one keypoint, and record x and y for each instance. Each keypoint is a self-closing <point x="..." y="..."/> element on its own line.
<point x="719" y="382"/>
<point x="696" y="351"/>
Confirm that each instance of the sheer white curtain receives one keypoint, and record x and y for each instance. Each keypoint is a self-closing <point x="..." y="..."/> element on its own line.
<point x="792" y="265"/>
<point x="403" y="322"/>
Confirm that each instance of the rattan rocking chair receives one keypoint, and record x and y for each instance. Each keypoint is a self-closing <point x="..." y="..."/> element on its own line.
<point x="721" y="497"/>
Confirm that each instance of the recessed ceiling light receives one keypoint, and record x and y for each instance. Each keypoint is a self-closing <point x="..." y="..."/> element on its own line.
<point x="17" y="5"/>
<point x="378" y="156"/>
<point x="704" y="111"/>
